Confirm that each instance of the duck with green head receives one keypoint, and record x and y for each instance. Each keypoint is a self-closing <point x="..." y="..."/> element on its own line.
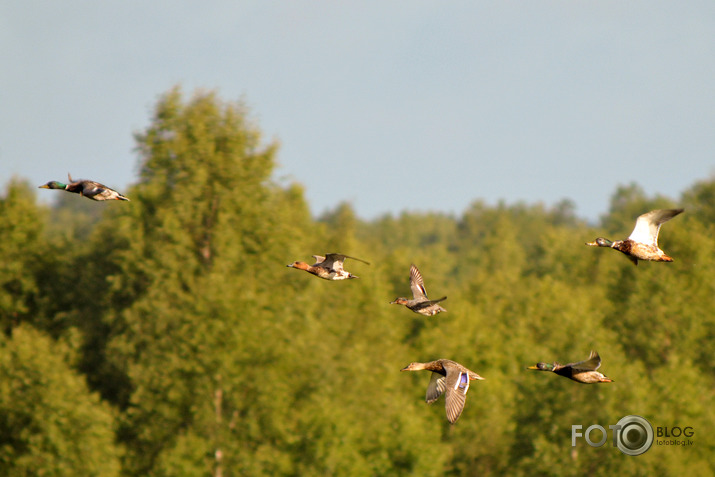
<point x="582" y="371"/>
<point x="86" y="188"/>
<point x="642" y="244"/>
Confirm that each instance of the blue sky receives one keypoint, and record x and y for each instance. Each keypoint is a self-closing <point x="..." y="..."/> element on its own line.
<point x="390" y="106"/>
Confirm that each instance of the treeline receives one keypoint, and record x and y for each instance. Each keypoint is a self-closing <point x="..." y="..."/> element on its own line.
<point x="165" y="336"/>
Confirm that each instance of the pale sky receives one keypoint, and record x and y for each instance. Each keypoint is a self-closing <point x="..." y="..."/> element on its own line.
<point x="390" y="106"/>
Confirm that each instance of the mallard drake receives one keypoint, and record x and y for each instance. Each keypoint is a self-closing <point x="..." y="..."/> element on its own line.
<point x="642" y="244"/>
<point x="419" y="303"/>
<point x="89" y="189"/>
<point x="329" y="267"/>
<point x="450" y="378"/>
<point x="583" y="371"/>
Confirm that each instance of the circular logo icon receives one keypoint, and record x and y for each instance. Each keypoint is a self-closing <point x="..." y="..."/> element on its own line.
<point x="635" y="435"/>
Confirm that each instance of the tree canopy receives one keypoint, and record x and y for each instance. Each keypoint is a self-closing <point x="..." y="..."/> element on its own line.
<point x="166" y="336"/>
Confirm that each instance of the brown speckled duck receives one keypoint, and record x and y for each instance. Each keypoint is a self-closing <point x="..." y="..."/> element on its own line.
<point x="89" y="189"/>
<point x="642" y="244"/>
<point x="448" y="378"/>
<point x="329" y="267"/>
<point x="582" y="372"/>
<point x="419" y="302"/>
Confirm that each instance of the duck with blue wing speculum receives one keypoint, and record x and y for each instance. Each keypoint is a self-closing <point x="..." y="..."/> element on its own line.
<point x="448" y="378"/>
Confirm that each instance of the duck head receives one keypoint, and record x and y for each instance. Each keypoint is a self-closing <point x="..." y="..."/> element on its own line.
<point x="53" y="185"/>
<point x="299" y="265"/>
<point x="542" y="367"/>
<point x="600" y="242"/>
<point x="414" y="367"/>
<point x="399" y="301"/>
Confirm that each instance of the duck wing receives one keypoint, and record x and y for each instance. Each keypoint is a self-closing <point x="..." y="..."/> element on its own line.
<point x="418" y="305"/>
<point x="318" y="259"/>
<point x="417" y="284"/>
<point x="435" y="388"/>
<point x="335" y="260"/>
<point x="457" y="385"/>
<point x="90" y="188"/>
<point x="591" y="364"/>
<point x="648" y="225"/>
<point x="86" y="187"/>
<point x="75" y="186"/>
<point x="353" y="258"/>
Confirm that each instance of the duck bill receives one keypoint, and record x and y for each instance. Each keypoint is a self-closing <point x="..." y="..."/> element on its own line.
<point x="44" y="186"/>
<point x="533" y="367"/>
<point x="592" y="244"/>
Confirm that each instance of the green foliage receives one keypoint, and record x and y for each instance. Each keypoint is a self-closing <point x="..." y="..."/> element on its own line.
<point x="49" y="422"/>
<point x="20" y="249"/>
<point x="700" y="201"/>
<point x="180" y="312"/>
